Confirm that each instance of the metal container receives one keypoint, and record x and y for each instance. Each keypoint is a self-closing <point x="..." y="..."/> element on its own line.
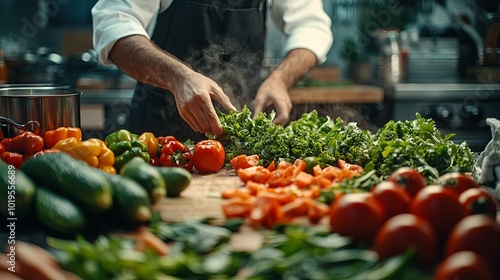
<point x="49" y="106"/>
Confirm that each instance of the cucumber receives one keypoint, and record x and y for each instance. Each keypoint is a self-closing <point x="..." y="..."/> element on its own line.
<point x="147" y="176"/>
<point x="58" y="213"/>
<point x="130" y="201"/>
<point x="75" y="179"/>
<point x="177" y="179"/>
<point x="17" y="192"/>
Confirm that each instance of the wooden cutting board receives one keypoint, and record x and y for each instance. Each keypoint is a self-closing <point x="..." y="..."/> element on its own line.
<point x="337" y="94"/>
<point x="202" y="199"/>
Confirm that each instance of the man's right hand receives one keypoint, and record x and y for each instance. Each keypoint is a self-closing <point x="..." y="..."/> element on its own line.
<point x="193" y="95"/>
<point x="138" y="57"/>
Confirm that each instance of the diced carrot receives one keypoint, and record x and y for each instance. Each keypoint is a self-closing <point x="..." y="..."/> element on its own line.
<point x="266" y="212"/>
<point x="321" y="181"/>
<point x="303" y="179"/>
<point x="271" y="166"/>
<point x="354" y="167"/>
<point x="317" y="170"/>
<point x="246" y="174"/>
<point x="317" y="211"/>
<point x="237" y="207"/>
<point x="283" y="164"/>
<point x="296" y="208"/>
<point x="281" y="198"/>
<point x="332" y="172"/>
<point x="148" y="240"/>
<point x="300" y="164"/>
<point x="254" y="187"/>
<point x="235" y="192"/>
<point x="261" y="175"/>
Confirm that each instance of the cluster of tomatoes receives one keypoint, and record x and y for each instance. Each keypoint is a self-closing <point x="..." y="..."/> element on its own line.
<point x="451" y="224"/>
<point x="206" y="156"/>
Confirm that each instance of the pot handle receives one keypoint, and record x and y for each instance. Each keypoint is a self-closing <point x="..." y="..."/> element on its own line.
<point x="29" y="126"/>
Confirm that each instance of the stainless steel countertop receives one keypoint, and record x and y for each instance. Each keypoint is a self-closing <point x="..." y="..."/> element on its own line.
<point x="445" y="91"/>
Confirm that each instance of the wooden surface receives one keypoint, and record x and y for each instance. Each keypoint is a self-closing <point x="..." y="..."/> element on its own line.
<point x="342" y="94"/>
<point x="202" y="199"/>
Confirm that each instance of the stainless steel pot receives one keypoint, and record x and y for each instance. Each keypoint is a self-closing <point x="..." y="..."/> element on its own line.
<point x="50" y="106"/>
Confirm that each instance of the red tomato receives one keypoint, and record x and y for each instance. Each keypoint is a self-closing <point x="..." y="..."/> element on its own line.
<point x="394" y="198"/>
<point x="244" y="161"/>
<point x="408" y="178"/>
<point x="457" y="181"/>
<point x="440" y="206"/>
<point x="404" y="231"/>
<point x="357" y="215"/>
<point x="208" y="156"/>
<point x="479" y="234"/>
<point x="478" y="201"/>
<point x="464" y="265"/>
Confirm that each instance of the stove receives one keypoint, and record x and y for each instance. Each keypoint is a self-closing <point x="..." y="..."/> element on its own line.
<point x="460" y="108"/>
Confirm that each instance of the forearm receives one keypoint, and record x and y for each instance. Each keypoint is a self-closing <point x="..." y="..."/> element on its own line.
<point x="139" y="58"/>
<point x="293" y="67"/>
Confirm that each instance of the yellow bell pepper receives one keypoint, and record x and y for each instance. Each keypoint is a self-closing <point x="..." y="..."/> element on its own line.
<point x="150" y="140"/>
<point x="93" y="151"/>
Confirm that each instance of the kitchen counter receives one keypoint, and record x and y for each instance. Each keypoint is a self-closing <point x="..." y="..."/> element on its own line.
<point x="202" y="199"/>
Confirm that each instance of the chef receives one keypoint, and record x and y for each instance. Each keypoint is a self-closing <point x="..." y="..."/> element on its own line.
<point x="190" y="56"/>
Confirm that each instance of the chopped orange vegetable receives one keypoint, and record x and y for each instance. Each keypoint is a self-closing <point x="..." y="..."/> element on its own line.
<point x="303" y="179"/>
<point x="237" y="207"/>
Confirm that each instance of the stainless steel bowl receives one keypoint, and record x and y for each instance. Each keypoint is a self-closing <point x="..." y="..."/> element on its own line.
<point x="50" y="106"/>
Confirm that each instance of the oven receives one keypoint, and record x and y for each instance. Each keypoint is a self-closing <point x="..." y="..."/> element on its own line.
<point x="460" y="108"/>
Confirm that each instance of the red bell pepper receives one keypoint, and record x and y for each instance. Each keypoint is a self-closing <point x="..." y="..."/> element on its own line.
<point x="175" y="153"/>
<point x="24" y="143"/>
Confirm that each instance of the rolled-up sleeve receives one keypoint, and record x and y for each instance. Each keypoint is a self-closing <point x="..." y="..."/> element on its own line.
<point x="115" y="19"/>
<point x="306" y="25"/>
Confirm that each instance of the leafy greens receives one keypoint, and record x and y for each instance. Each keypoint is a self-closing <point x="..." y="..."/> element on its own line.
<point x="416" y="143"/>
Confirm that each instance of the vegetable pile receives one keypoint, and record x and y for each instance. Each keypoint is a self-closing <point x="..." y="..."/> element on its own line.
<point x="416" y="143"/>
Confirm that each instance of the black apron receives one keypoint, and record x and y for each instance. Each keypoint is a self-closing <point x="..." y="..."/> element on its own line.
<point x="222" y="39"/>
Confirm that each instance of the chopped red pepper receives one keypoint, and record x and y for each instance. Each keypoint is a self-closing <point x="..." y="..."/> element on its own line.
<point x="175" y="153"/>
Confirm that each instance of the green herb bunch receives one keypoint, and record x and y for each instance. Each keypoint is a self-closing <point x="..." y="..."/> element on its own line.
<point x="415" y="143"/>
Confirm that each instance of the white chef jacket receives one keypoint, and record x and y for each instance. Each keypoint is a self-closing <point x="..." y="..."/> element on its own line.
<point x="304" y="22"/>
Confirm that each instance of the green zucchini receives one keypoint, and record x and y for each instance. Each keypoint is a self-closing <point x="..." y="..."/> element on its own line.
<point x="147" y="176"/>
<point x="130" y="201"/>
<point x="177" y="179"/>
<point x="17" y="192"/>
<point x="75" y="179"/>
<point x="58" y="213"/>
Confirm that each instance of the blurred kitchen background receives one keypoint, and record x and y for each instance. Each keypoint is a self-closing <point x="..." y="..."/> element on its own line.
<point x="439" y="58"/>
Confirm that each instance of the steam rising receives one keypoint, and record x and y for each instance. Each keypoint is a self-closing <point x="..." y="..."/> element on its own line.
<point x="232" y="66"/>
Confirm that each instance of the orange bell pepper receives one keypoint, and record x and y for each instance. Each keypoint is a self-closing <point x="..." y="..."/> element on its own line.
<point x="51" y="137"/>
